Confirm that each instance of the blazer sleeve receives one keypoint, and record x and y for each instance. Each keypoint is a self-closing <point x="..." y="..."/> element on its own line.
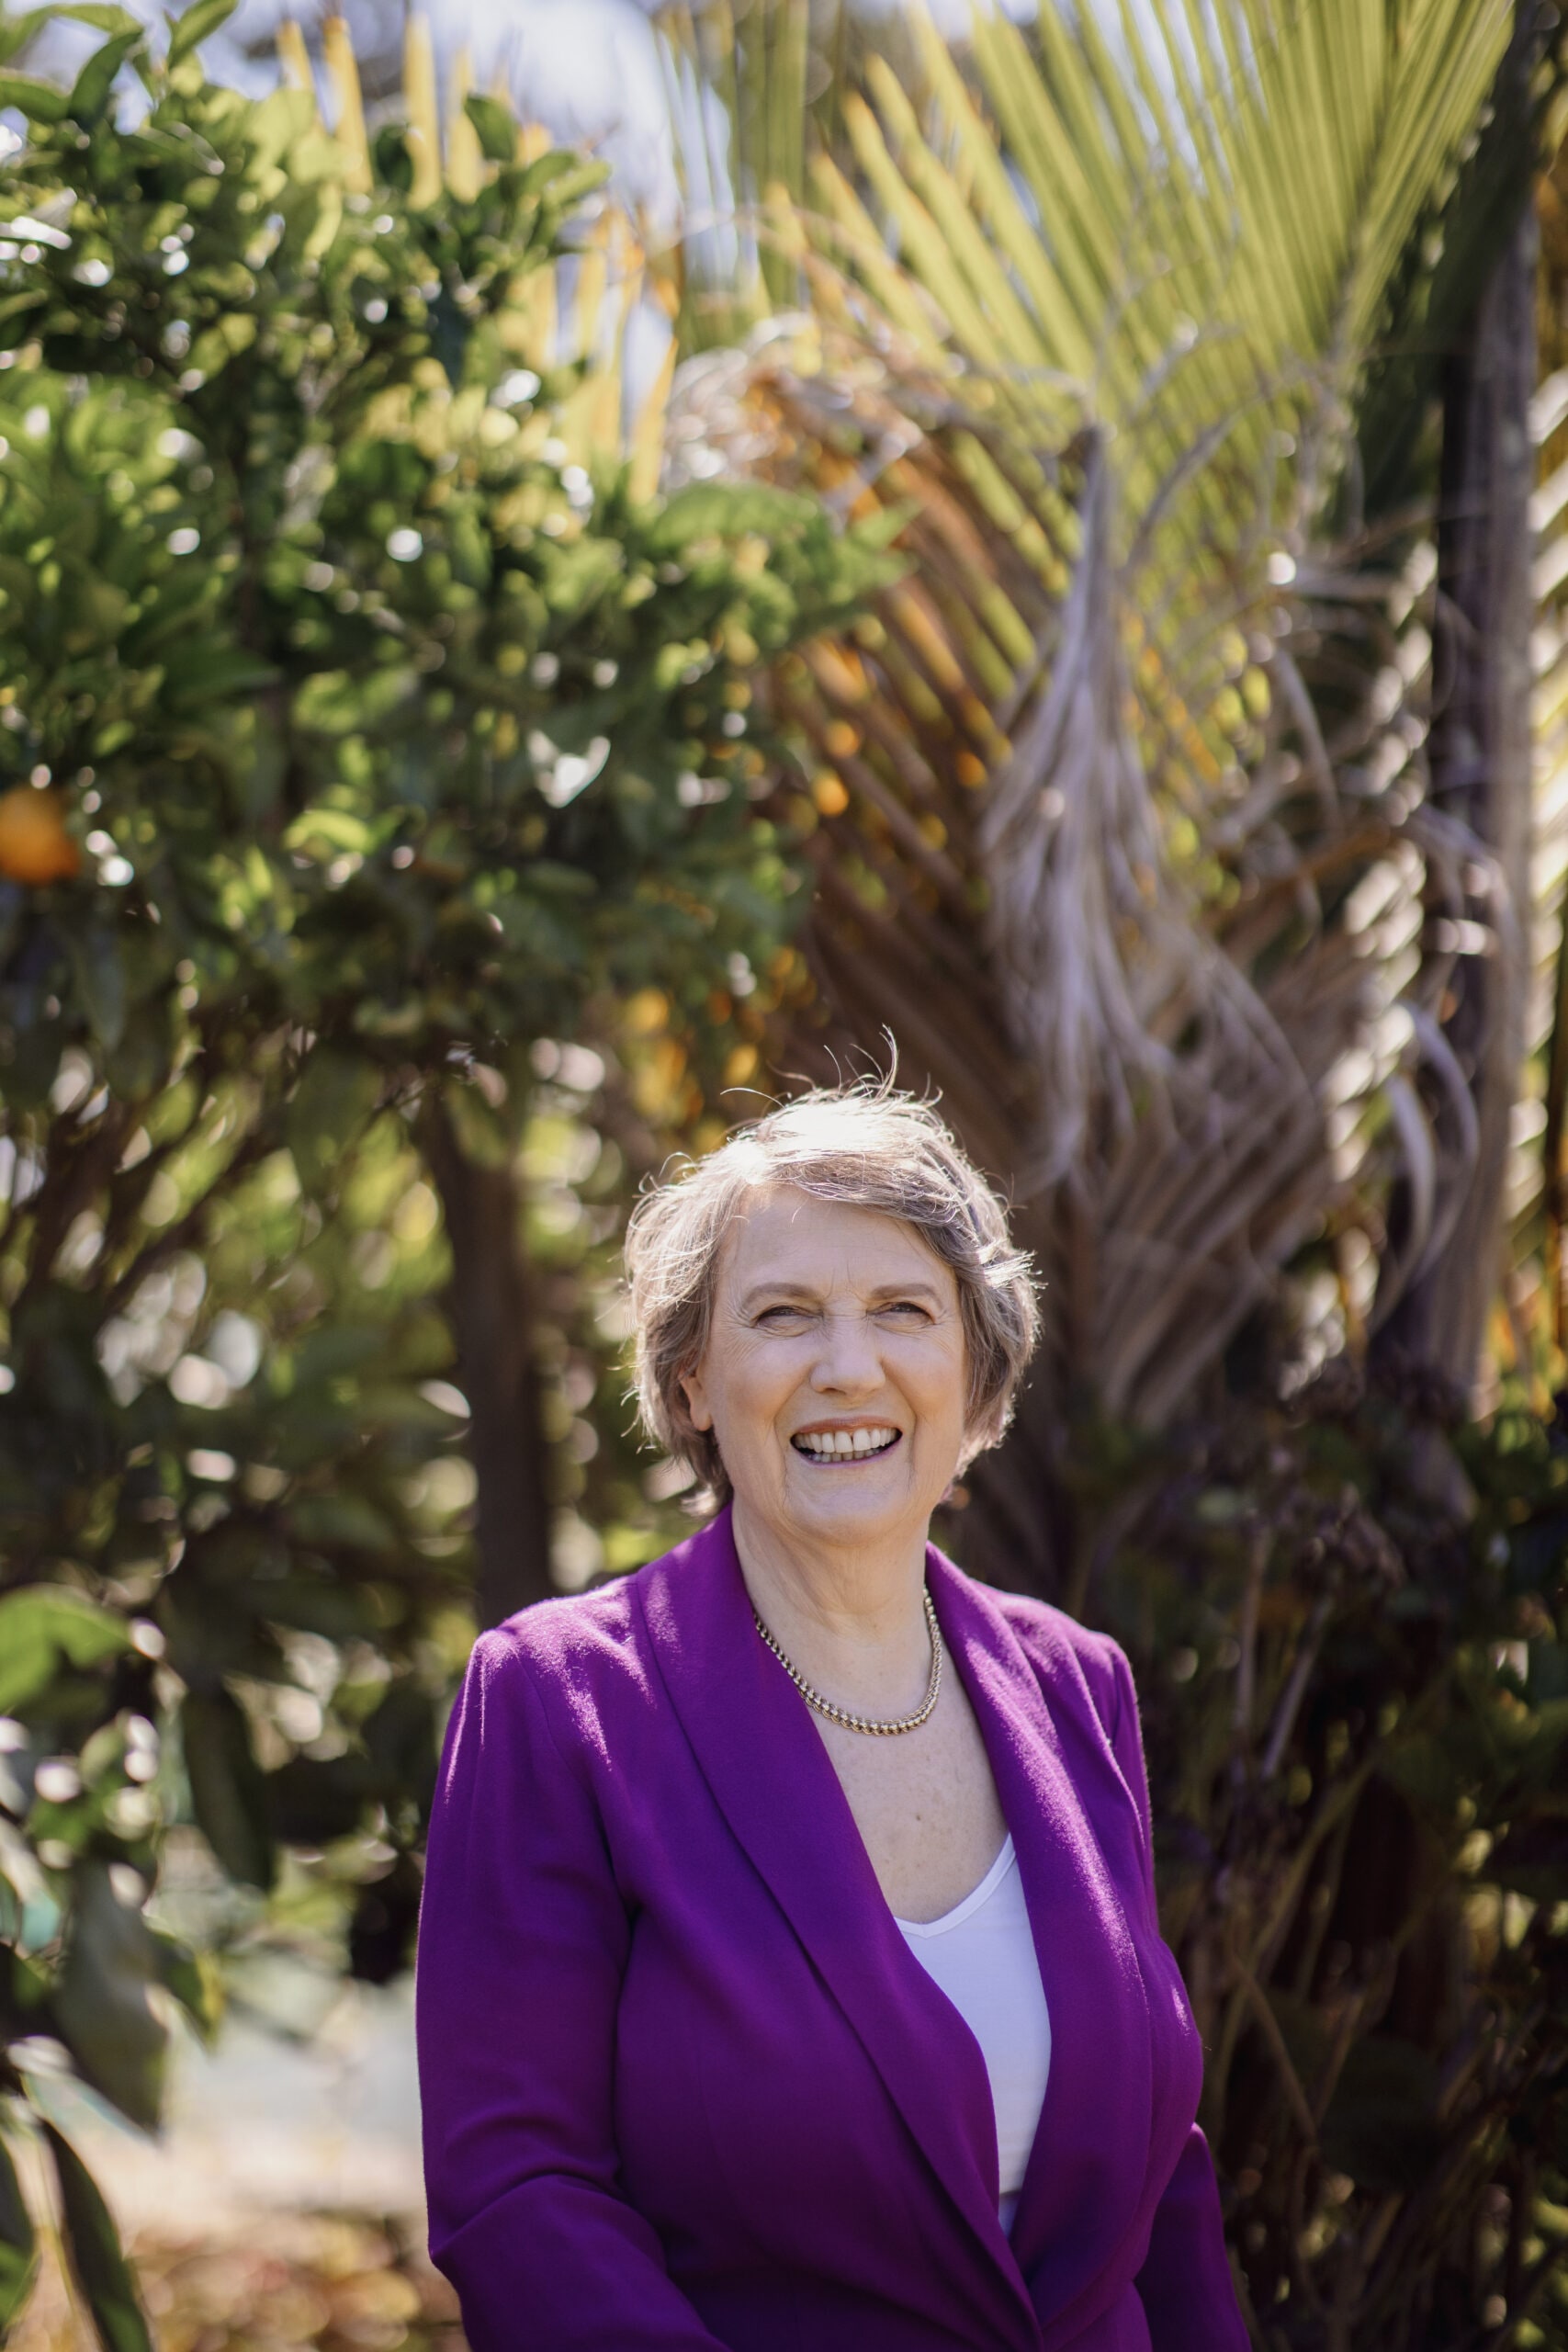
<point x="1185" y="2285"/>
<point x="523" y="1943"/>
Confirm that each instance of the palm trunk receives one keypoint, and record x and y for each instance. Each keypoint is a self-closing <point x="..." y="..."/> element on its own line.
<point x="490" y="1309"/>
<point x="1481" y="777"/>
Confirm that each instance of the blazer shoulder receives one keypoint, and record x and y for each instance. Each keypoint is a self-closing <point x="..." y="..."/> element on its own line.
<point x="1056" y="1643"/>
<point x="585" y="1657"/>
<point x="571" y="1635"/>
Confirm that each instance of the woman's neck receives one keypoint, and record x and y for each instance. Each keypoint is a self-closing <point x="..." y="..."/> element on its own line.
<point x="851" y="1620"/>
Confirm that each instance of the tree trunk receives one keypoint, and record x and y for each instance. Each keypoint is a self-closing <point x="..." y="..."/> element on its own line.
<point x="489" y="1310"/>
<point x="1481" y="776"/>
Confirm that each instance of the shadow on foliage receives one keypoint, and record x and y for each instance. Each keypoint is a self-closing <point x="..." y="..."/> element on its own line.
<point x="1355" y="1705"/>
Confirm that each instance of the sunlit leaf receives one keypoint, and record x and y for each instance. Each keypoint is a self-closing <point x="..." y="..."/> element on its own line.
<point x="99" y="2266"/>
<point x="496" y="126"/>
<point x="39" y="101"/>
<point x="101" y="2003"/>
<point x="19" y="2260"/>
<point x="44" y="1627"/>
<point x="228" y="1791"/>
<point x="194" y="25"/>
<point x="91" y="90"/>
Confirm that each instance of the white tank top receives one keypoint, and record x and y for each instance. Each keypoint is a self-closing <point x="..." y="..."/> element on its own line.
<point x="982" y="1956"/>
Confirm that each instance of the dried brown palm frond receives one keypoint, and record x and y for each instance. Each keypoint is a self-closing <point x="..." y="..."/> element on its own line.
<point x="1114" y="1044"/>
<point x="1096" y="953"/>
<point x="897" y="723"/>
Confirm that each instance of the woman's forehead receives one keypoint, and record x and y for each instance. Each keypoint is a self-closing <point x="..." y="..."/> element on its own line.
<point x="783" y="1233"/>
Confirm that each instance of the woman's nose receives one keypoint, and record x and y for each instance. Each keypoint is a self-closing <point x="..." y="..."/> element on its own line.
<point x="848" y="1357"/>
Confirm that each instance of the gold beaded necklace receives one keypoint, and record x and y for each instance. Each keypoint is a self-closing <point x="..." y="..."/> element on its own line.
<point x="841" y="1715"/>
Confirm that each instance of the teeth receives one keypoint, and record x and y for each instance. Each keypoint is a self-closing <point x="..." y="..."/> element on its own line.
<point x="844" y="1444"/>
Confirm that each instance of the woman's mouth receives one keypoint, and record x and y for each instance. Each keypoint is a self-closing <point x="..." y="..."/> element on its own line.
<point x="845" y="1445"/>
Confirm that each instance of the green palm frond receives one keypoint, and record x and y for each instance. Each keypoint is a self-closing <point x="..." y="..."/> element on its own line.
<point x="1198" y="233"/>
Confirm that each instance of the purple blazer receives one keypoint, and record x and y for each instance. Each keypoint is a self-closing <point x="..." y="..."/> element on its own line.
<point x="684" y="2085"/>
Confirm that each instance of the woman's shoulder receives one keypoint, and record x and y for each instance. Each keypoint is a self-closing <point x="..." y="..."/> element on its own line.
<point x="589" y="1659"/>
<point x="570" y="1673"/>
<point x="578" y="1648"/>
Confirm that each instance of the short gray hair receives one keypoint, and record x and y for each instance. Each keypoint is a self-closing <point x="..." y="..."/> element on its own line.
<point x="867" y="1145"/>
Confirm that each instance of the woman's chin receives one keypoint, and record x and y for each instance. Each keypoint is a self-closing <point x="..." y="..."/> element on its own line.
<point x="867" y="1498"/>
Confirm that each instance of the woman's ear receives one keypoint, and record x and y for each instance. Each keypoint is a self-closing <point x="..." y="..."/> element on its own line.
<point x="695" y="1390"/>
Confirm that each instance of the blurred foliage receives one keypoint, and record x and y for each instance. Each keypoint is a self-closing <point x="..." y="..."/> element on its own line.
<point x="354" y="745"/>
<point x="1355" y="1708"/>
<point x="338" y="2282"/>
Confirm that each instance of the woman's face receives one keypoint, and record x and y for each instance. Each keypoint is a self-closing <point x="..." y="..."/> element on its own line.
<point x="835" y="1377"/>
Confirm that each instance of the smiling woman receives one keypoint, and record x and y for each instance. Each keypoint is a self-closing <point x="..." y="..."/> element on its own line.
<point x="862" y="1148"/>
<point x="779" y="1989"/>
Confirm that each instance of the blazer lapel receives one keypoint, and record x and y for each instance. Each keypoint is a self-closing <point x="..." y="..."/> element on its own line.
<point x="774" y="1781"/>
<point x="1078" y="2191"/>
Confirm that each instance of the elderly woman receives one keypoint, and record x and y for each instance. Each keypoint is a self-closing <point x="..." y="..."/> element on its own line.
<point x="789" y="1974"/>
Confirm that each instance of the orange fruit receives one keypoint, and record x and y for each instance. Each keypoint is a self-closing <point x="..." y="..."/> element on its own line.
<point x="35" y="847"/>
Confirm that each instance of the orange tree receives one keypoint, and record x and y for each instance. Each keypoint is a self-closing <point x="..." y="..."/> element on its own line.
<point x="352" y="740"/>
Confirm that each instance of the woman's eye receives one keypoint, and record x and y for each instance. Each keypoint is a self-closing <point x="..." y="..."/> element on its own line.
<point x="905" y="1306"/>
<point x="776" y="1314"/>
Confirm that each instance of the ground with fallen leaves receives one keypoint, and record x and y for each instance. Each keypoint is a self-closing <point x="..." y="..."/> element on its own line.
<point x="281" y="2283"/>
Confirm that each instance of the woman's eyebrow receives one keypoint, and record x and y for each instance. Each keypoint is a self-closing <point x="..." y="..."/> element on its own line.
<point x="779" y="1290"/>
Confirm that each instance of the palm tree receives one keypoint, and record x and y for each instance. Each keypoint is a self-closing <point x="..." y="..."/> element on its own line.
<point x="1148" y="827"/>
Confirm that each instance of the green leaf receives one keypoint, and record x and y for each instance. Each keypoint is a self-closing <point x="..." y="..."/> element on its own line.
<point x="29" y="1988"/>
<point x="100" y="979"/>
<point x="393" y="162"/>
<point x="496" y="125"/>
<point x="338" y="829"/>
<point x="16" y="306"/>
<point x="712" y="509"/>
<point x="565" y="178"/>
<point x="339" y="702"/>
<point x="93" y="2250"/>
<point x="39" y="101"/>
<point x="553" y="880"/>
<point x="102" y="19"/>
<point x="101" y="2004"/>
<point x="332" y="1104"/>
<point x="17" y="32"/>
<point x="181" y="1973"/>
<point x="343" y="1522"/>
<point x="211" y="677"/>
<point x="43" y="1626"/>
<point x="203" y="16"/>
<point x="228" y="1793"/>
<point x="90" y="92"/>
<point x="400" y="1737"/>
<point x="18" y="2242"/>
